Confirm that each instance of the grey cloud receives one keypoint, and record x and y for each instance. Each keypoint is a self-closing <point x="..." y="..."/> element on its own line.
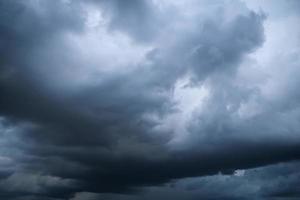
<point x="138" y="18"/>
<point x="76" y="140"/>
<point x="258" y="183"/>
<point x="222" y="50"/>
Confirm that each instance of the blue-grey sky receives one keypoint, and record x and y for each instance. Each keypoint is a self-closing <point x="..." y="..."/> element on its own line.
<point x="149" y="99"/>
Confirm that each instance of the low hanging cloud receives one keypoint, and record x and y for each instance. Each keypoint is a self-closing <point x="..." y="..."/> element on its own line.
<point x="135" y="99"/>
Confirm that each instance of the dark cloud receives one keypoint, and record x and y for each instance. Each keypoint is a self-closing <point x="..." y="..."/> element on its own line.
<point x="90" y="109"/>
<point x="257" y="183"/>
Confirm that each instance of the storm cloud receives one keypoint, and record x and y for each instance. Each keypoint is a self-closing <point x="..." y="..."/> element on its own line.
<point x="147" y="99"/>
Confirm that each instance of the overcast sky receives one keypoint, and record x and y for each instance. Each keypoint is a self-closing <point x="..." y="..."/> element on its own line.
<point x="149" y="99"/>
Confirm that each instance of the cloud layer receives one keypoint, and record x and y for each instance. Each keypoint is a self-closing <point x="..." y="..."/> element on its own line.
<point x="106" y="99"/>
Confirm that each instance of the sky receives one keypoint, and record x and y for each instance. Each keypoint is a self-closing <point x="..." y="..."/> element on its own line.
<point x="149" y="99"/>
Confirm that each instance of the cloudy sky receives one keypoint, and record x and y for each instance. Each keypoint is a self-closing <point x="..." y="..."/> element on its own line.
<point x="149" y="99"/>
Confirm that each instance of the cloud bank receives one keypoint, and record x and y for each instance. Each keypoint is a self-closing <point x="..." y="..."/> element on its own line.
<point x="144" y="99"/>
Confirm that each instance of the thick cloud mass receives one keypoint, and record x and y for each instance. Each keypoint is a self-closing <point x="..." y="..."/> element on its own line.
<point x="147" y="99"/>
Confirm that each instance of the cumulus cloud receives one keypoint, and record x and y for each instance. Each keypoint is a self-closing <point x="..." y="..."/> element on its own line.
<point x="100" y="99"/>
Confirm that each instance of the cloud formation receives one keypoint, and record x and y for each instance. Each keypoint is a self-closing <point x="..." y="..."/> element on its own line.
<point x="105" y="99"/>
